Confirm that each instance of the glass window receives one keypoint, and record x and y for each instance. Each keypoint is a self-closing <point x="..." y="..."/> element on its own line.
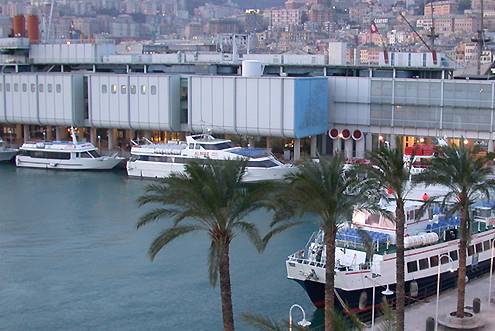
<point x="470" y="250"/>
<point x="197" y="146"/>
<point x="133" y="89"/>
<point x="486" y="245"/>
<point x="24" y="87"/>
<point x="453" y="255"/>
<point x="479" y="247"/>
<point x="123" y="89"/>
<point x="216" y="147"/>
<point x="94" y="154"/>
<point x="412" y="266"/>
<point x="40" y="88"/>
<point x="16" y="87"/>
<point x="423" y="264"/>
<point x="7" y="87"/>
<point x="33" y="87"/>
<point x="444" y="260"/>
<point x="49" y="88"/>
<point x="114" y="88"/>
<point x="434" y="261"/>
<point x="58" y="88"/>
<point x="143" y="89"/>
<point x="104" y="88"/>
<point x="153" y="89"/>
<point x="262" y="164"/>
<point x="85" y="155"/>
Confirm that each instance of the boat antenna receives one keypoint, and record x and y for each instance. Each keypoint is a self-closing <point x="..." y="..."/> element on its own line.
<point x="73" y="135"/>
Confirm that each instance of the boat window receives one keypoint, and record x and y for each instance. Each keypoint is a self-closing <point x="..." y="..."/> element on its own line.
<point x="104" y="88"/>
<point x="410" y="215"/>
<point x="50" y="155"/>
<point x="190" y="146"/>
<point x="217" y="147"/>
<point x="372" y="219"/>
<point x="486" y="245"/>
<point x="434" y="261"/>
<point x="197" y="146"/>
<point x="444" y="260"/>
<point x="453" y="255"/>
<point x="49" y="88"/>
<point x="479" y="247"/>
<point x="94" y="154"/>
<point x="470" y="250"/>
<point x="412" y="266"/>
<point x="84" y="155"/>
<point x="262" y="164"/>
<point x="423" y="264"/>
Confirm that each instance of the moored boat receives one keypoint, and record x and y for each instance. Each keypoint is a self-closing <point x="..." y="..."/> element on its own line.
<point x="6" y="153"/>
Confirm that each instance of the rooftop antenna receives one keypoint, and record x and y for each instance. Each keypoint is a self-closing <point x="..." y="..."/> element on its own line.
<point x="50" y="17"/>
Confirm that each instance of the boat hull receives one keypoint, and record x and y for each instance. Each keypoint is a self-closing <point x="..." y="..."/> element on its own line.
<point x="147" y="169"/>
<point x="7" y="155"/>
<point x="103" y="163"/>
<point x="426" y="287"/>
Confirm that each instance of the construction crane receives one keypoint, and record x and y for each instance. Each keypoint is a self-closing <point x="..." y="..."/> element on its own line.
<point x="432" y="33"/>
<point x="50" y="17"/>
<point x="480" y="40"/>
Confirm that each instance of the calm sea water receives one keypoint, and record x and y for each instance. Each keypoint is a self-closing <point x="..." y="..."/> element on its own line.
<point x="72" y="259"/>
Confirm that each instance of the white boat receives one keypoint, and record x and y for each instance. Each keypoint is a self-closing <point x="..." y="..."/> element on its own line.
<point x="67" y="155"/>
<point x="161" y="160"/>
<point x="6" y="154"/>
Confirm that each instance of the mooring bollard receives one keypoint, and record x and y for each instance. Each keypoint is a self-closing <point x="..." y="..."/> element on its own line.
<point x="476" y="305"/>
<point x="430" y="324"/>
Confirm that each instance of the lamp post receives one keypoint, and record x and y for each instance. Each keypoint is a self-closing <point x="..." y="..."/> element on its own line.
<point x="387" y="292"/>
<point x="99" y="143"/>
<point x="491" y="273"/>
<point x="304" y="322"/>
<point x="438" y="284"/>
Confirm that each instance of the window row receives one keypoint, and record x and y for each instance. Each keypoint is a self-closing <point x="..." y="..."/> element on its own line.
<point x="422" y="264"/>
<point x="32" y="87"/>
<point x="123" y="89"/>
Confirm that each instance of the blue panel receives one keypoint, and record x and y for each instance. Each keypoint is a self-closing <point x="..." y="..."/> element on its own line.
<point x="310" y="106"/>
<point x="251" y="152"/>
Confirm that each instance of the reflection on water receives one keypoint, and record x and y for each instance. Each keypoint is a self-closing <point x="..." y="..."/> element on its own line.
<point x="72" y="259"/>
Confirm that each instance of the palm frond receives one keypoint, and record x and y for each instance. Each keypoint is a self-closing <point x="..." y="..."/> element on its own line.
<point x="276" y="230"/>
<point x="169" y="235"/>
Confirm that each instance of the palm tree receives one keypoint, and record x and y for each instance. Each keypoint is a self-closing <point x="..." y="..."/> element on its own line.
<point x="388" y="171"/>
<point x="321" y="188"/>
<point x="209" y="198"/>
<point x="468" y="179"/>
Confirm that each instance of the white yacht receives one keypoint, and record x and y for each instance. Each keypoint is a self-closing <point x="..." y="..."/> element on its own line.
<point x="161" y="160"/>
<point x="68" y="155"/>
<point x="6" y="154"/>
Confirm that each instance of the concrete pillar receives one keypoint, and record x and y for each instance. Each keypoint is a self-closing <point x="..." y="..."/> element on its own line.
<point x="93" y="138"/>
<point x="49" y="136"/>
<point x="360" y="146"/>
<point x="58" y="133"/>
<point x="129" y="135"/>
<point x="312" y="150"/>
<point x="490" y="146"/>
<point x="165" y="136"/>
<point x="336" y="146"/>
<point x="323" y="144"/>
<point x="18" y="134"/>
<point x="297" y="149"/>
<point x="251" y="142"/>
<point x="110" y="139"/>
<point x="368" y="142"/>
<point x="393" y="141"/>
<point x="348" y="148"/>
<point x="27" y="134"/>
<point x="269" y="143"/>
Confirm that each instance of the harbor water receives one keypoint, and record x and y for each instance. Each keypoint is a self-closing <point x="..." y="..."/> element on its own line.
<point x="72" y="259"/>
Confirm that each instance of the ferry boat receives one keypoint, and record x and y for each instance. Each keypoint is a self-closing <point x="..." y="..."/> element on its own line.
<point x="6" y="154"/>
<point x="161" y="160"/>
<point x="68" y="155"/>
<point x="365" y="258"/>
<point x="419" y="157"/>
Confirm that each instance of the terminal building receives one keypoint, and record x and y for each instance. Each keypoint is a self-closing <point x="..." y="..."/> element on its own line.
<point x="298" y="102"/>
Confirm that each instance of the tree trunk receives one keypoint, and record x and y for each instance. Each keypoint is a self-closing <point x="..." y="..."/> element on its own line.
<point x="329" y="276"/>
<point x="461" y="272"/>
<point x="399" y="265"/>
<point x="226" y="290"/>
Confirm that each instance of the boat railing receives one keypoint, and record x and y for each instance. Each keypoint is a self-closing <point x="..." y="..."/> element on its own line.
<point x="299" y="258"/>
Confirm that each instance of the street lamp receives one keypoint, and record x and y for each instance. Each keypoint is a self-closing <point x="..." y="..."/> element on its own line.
<point x="304" y="322"/>
<point x="386" y="292"/>
<point x="99" y="142"/>
<point x="491" y="273"/>
<point x="451" y="269"/>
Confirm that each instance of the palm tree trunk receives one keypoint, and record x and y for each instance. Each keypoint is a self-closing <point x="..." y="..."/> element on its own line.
<point x="329" y="276"/>
<point x="461" y="273"/>
<point x="226" y="290"/>
<point x="399" y="265"/>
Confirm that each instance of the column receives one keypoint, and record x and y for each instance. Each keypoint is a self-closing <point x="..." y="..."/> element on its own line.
<point x="297" y="149"/>
<point x="360" y="146"/>
<point x="18" y="134"/>
<point x="312" y="150"/>
<point x="110" y="139"/>
<point x="269" y="143"/>
<point x="26" y="135"/>
<point x="93" y="138"/>
<point x="58" y="133"/>
<point x="324" y="144"/>
<point x="368" y="142"/>
<point x="336" y="146"/>
<point x="348" y="148"/>
<point x="165" y="136"/>
<point x="490" y="146"/>
<point x="393" y="141"/>
<point x="251" y="142"/>
<point x="49" y="136"/>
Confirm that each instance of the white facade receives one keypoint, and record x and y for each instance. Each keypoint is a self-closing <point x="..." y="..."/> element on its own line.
<point x="70" y="53"/>
<point x="337" y="53"/>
